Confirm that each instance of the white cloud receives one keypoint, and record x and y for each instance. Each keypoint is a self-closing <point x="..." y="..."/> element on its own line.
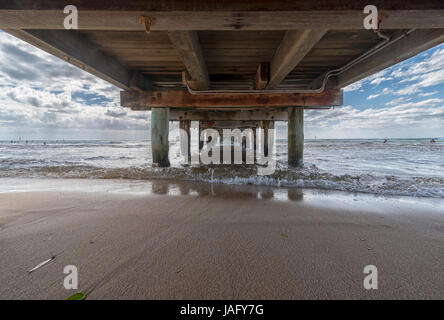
<point x="373" y="96"/>
<point x="427" y="114"/>
<point x="387" y="91"/>
<point x="38" y="90"/>
<point x="379" y="80"/>
<point x="353" y="87"/>
<point x="396" y="101"/>
<point x="427" y="94"/>
<point x="427" y="73"/>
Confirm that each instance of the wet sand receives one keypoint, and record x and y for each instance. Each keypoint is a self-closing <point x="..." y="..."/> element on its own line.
<point x="164" y="240"/>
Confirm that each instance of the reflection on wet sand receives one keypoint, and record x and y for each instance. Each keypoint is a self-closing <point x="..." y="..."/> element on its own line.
<point x="170" y="188"/>
<point x="187" y="188"/>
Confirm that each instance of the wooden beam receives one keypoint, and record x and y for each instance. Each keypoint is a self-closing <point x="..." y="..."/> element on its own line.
<point x="414" y="43"/>
<point x="276" y="114"/>
<point x="179" y="98"/>
<point x="188" y="81"/>
<point x="294" y="47"/>
<point x="248" y="115"/>
<point x="262" y="75"/>
<point x="220" y="6"/>
<point x="138" y="81"/>
<point x="234" y="124"/>
<point x="73" y="48"/>
<point x="217" y="15"/>
<point x="188" y="46"/>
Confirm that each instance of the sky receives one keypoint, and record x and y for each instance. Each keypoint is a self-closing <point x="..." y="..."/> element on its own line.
<point x="43" y="97"/>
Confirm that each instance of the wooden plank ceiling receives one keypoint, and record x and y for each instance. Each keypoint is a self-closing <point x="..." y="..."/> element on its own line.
<point x="231" y="57"/>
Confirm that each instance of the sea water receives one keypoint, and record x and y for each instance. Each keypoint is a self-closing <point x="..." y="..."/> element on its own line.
<point x="408" y="167"/>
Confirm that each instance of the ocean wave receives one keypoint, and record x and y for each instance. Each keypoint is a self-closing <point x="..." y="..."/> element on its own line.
<point x="308" y="176"/>
<point x="98" y="158"/>
<point x="398" y="167"/>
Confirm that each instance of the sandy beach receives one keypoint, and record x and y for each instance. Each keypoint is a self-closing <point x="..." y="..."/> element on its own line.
<point x="171" y="240"/>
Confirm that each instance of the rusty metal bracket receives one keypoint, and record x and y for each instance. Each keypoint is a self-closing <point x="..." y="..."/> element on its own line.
<point x="147" y="22"/>
<point x="378" y="22"/>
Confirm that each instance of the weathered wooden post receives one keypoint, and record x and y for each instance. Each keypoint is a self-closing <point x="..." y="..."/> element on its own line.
<point x="244" y="149"/>
<point x="270" y="127"/>
<point x="265" y="126"/>
<point x="254" y="143"/>
<point x="221" y="142"/>
<point x="185" y="146"/>
<point x="201" y="141"/>
<point x="159" y="136"/>
<point x="295" y="135"/>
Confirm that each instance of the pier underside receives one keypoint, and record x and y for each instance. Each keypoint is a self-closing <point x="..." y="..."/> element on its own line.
<point x="237" y="64"/>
